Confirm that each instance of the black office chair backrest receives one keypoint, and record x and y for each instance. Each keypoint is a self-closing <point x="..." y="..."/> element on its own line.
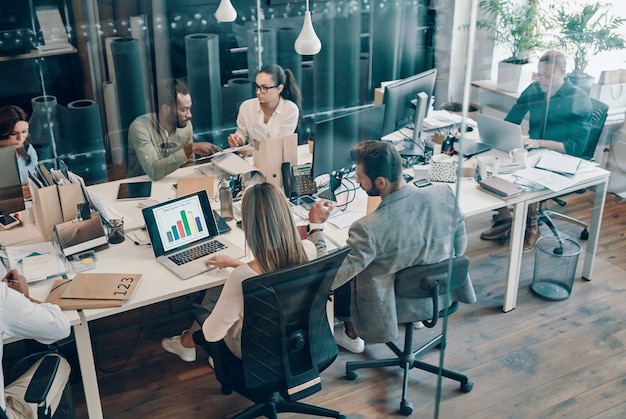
<point x="286" y="338"/>
<point x="431" y="281"/>
<point x="599" y="112"/>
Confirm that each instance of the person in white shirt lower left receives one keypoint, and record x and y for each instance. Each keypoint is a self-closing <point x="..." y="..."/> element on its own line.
<point x="25" y="317"/>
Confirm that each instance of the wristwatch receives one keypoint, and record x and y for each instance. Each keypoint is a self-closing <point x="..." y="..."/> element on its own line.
<point x="314" y="226"/>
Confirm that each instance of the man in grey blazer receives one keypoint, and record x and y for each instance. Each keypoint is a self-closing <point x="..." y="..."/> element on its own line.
<point x="411" y="226"/>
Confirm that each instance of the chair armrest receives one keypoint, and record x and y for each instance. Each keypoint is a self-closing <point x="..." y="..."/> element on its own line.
<point x="41" y="382"/>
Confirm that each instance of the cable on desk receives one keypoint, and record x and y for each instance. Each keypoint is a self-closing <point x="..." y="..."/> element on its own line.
<point x="347" y="191"/>
<point x="136" y="240"/>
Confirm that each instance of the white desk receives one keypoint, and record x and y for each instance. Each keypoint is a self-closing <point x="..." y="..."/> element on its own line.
<point x="473" y="200"/>
<point x="159" y="284"/>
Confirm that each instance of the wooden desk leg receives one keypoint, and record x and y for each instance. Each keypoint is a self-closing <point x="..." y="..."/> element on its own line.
<point x="516" y="245"/>
<point x="88" y="368"/>
<point x="594" y="229"/>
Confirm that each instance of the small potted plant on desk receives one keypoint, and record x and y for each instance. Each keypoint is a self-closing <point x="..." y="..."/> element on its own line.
<point x="518" y="28"/>
<point x="586" y="32"/>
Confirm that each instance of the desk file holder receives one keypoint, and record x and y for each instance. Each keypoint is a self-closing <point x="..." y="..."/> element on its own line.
<point x="271" y="153"/>
<point x="54" y="204"/>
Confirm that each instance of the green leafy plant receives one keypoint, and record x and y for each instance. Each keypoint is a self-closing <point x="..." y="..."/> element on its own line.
<point x="588" y="31"/>
<point x="514" y="26"/>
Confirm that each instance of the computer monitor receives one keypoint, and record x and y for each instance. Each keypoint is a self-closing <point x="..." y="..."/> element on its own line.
<point x="11" y="197"/>
<point x="399" y="98"/>
<point x="335" y="137"/>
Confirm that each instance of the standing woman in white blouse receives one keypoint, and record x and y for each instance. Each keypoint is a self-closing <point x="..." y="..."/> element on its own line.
<point x="276" y="108"/>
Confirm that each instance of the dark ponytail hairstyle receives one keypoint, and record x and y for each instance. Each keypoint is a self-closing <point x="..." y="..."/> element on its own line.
<point x="286" y="78"/>
<point x="9" y="116"/>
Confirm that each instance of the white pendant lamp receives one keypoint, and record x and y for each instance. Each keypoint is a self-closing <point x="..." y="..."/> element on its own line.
<point x="225" y="12"/>
<point x="307" y="42"/>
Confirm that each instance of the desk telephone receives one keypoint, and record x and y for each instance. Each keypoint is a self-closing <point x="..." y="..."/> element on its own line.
<point x="297" y="180"/>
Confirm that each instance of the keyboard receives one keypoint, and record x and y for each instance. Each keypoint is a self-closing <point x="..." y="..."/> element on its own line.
<point x="194" y="253"/>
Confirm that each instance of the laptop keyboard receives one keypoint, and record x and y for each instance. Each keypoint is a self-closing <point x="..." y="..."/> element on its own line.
<point x="194" y="253"/>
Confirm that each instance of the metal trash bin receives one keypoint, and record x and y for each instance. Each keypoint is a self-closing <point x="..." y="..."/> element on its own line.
<point x="555" y="268"/>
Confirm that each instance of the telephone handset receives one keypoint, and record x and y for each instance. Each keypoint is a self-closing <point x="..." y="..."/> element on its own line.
<point x="297" y="180"/>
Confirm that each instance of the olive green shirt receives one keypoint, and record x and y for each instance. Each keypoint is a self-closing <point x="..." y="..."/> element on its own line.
<point x="153" y="151"/>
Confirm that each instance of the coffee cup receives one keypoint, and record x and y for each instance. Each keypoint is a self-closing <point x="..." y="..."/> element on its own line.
<point x="519" y="155"/>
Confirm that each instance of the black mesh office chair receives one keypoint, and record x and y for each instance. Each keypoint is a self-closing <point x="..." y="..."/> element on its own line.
<point x="286" y="340"/>
<point x="41" y="383"/>
<point x="427" y="285"/>
<point x="598" y="118"/>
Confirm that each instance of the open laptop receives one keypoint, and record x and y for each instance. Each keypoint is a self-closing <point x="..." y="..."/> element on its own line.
<point x="184" y="233"/>
<point x="494" y="133"/>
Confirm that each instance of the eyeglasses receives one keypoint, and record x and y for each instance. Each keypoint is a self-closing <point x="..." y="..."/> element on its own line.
<point x="264" y="89"/>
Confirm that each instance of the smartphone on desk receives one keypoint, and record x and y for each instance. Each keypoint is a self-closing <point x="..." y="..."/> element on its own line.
<point x="8" y="221"/>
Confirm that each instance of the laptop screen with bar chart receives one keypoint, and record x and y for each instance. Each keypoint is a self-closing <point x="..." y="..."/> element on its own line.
<point x="184" y="233"/>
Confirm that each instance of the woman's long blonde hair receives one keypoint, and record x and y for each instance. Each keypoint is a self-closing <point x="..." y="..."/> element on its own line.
<point x="270" y="229"/>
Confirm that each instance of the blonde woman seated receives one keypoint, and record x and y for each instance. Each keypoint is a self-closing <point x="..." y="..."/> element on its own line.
<point x="273" y="240"/>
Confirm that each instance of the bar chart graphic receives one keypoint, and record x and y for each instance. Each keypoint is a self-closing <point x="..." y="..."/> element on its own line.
<point x="181" y="222"/>
<point x="187" y="225"/>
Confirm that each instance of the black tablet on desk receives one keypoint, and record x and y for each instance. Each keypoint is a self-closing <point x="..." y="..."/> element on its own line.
<point x="134" y="190"/>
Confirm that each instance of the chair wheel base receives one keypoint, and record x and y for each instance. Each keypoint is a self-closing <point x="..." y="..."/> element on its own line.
<point x="406" y="408"/>
<point x="351" y="375"/>
<point x="584" y="235"/>
<point x="467" y="387"/>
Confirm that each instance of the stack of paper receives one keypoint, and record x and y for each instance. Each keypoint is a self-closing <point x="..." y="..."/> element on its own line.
<point x="36" y="261"/>
<point x="559" y="163"/>
<point x="54" y="34"/>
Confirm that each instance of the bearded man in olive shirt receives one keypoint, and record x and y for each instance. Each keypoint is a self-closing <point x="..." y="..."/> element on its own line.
<point x="161" y="142"/>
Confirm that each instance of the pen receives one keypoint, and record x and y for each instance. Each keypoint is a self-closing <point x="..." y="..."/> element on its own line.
<point x="13" y="281"/>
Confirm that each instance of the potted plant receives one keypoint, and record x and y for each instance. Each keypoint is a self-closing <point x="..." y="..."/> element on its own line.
<point x="586" y="32"/>
<point x="518" y="28"/>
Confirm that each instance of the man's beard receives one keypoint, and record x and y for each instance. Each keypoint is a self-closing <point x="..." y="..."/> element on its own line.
<point x="373" y="191"/>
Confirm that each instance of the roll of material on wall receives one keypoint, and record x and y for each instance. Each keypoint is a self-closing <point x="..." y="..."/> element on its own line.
<point x="44" y="126"/>
<point x="113" y="132"/>
<point x="161" y="36"/>
<point x="261" y="49"/>
<point x="203" y="76"/>
<point x="306" y="87"/>
<point x="81" y="128"/>
<point x="337" y="65"/>
<point x="139" y="31"/>
<point x="130" y="86"/>
<point x="109" y="56"/>
<point x="287" y="57"/>
<point x="236" y="91"/>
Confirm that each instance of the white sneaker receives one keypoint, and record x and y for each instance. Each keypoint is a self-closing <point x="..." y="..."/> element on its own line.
<point x="174" y="346"/>
<point x="418" y="325"/>
<point x="355" y="346"/>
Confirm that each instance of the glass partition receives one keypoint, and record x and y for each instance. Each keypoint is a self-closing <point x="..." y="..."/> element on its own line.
<point x="85" y="69"/>
<point x="111" y="54"/>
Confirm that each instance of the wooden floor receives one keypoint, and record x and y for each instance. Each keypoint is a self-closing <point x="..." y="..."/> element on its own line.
<point x="544" y="359"/>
